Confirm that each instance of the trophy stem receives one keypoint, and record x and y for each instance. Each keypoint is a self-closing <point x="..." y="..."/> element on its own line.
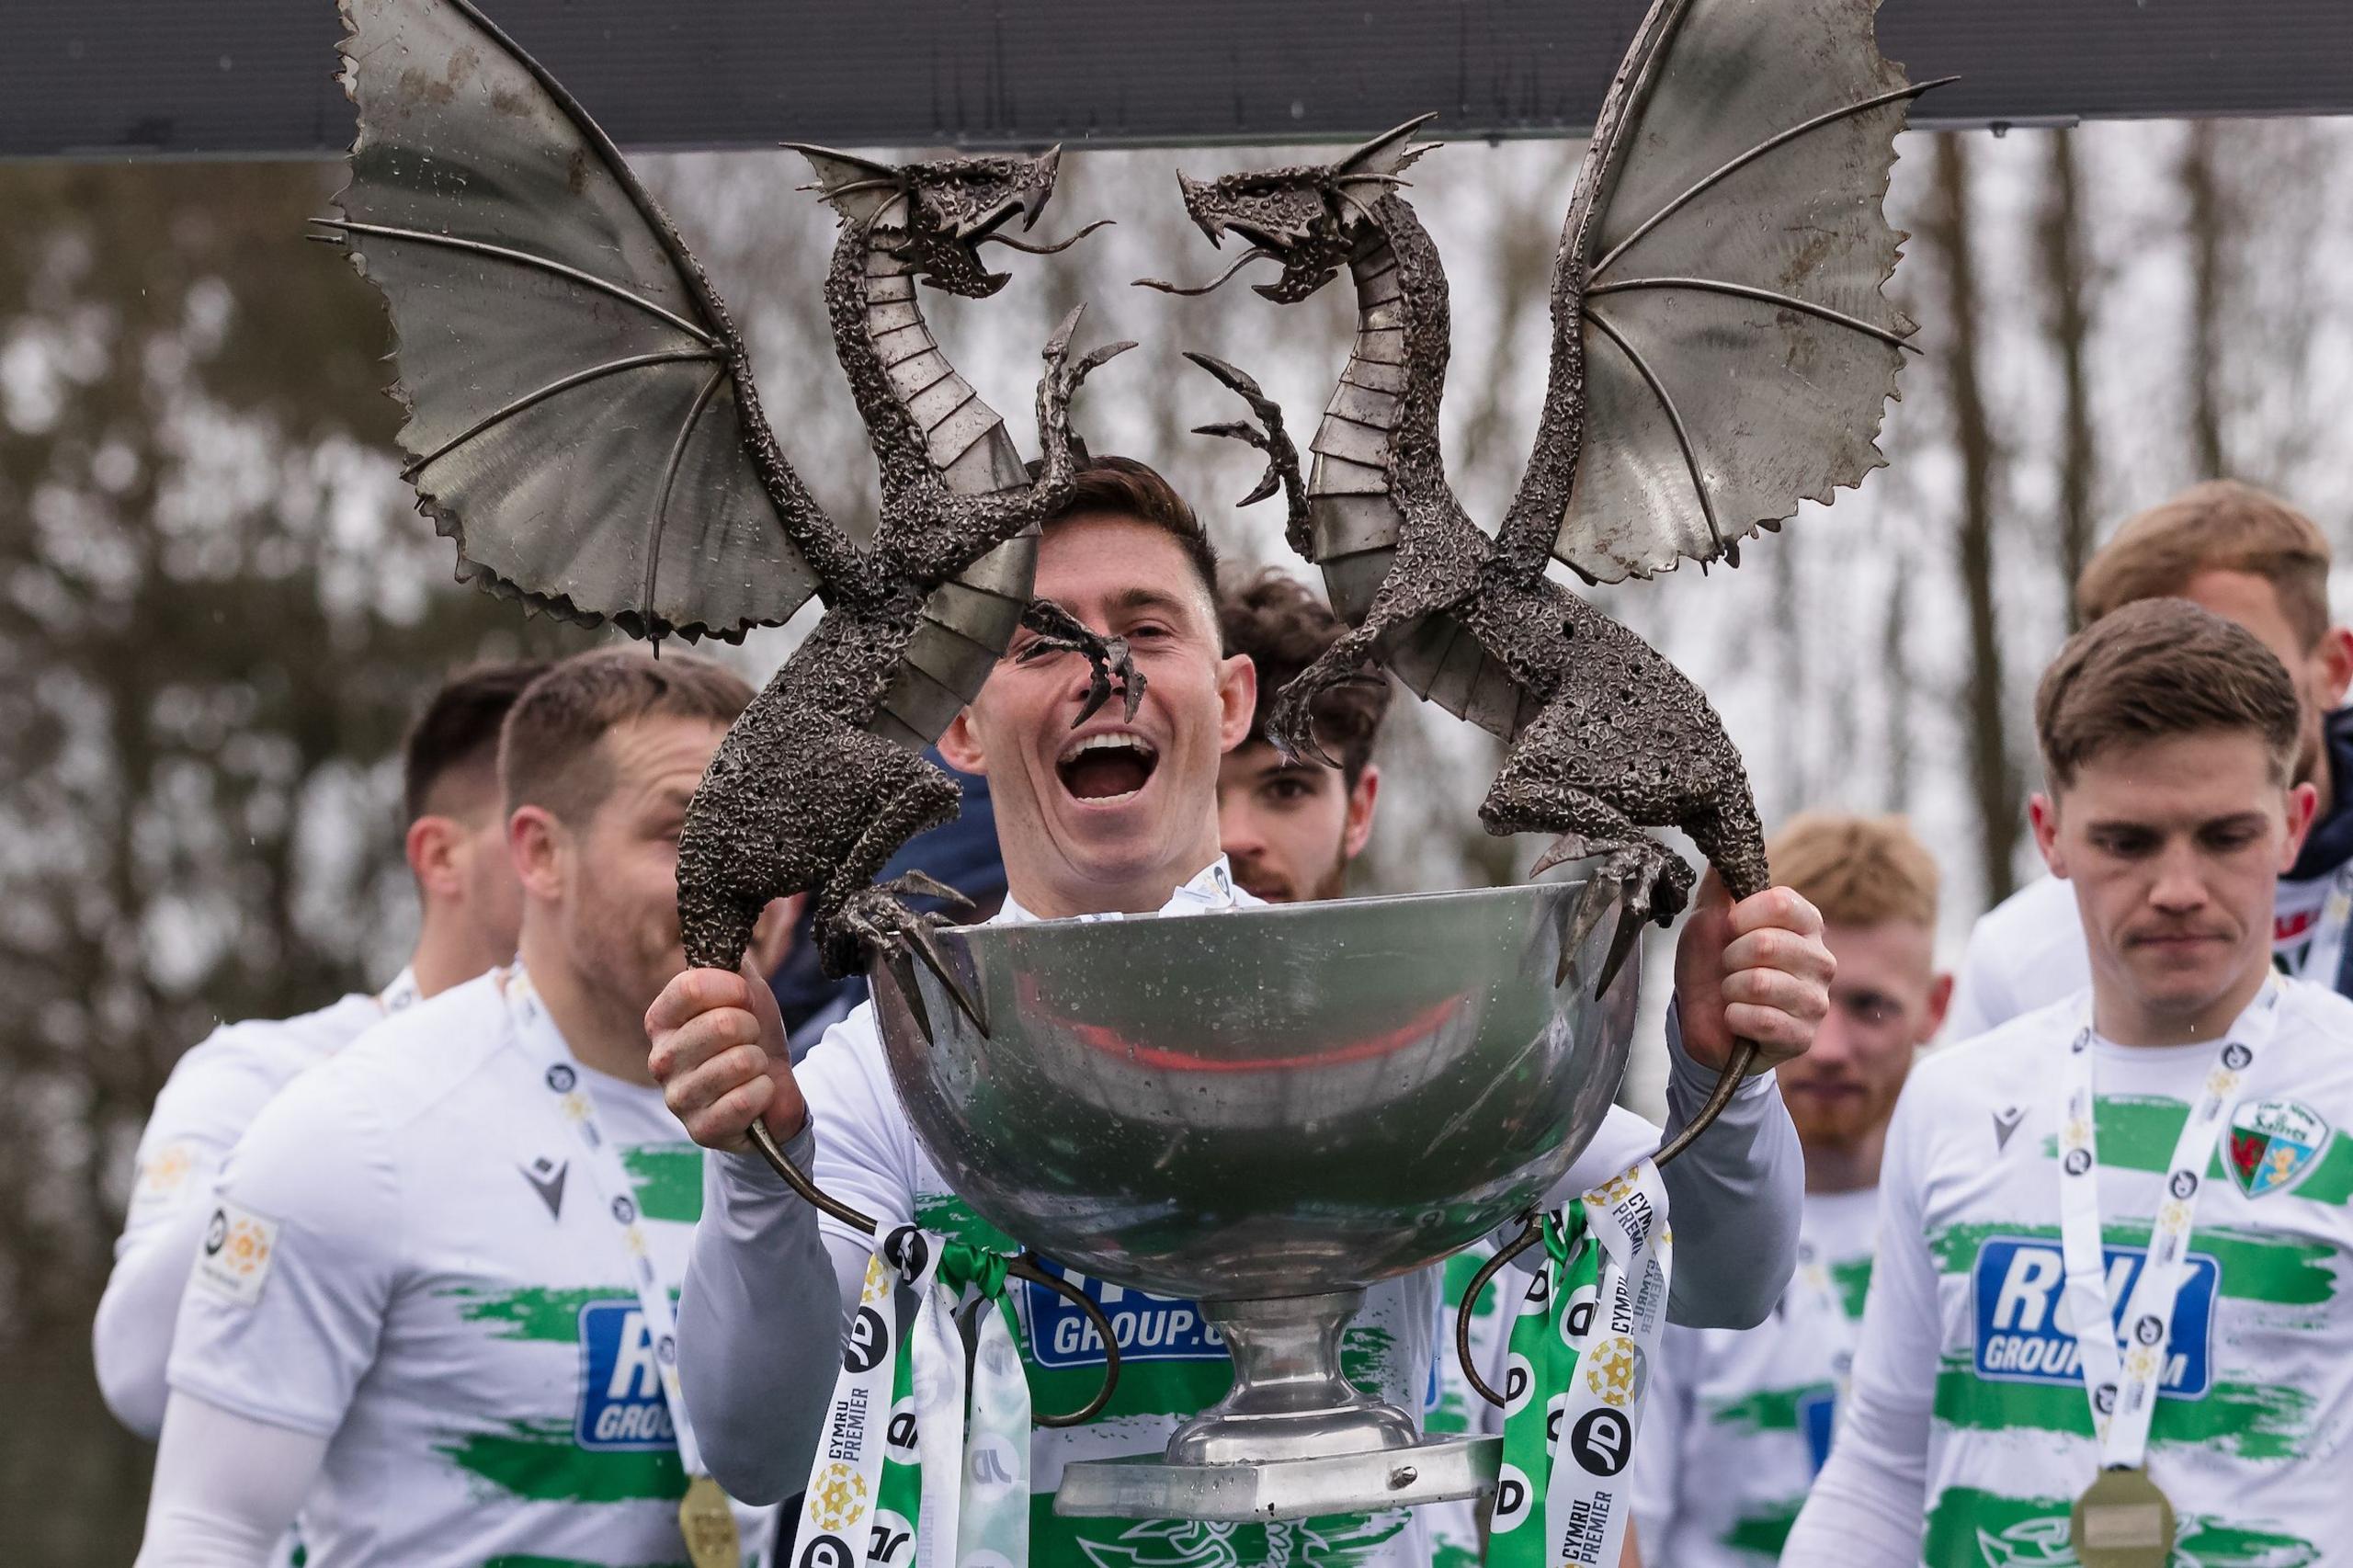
<point x="1289" y="1398"/>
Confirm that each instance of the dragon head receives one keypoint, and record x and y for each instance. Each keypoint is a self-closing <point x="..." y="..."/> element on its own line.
<point x="1309" y="216"/>
<point x="938" y="214"/>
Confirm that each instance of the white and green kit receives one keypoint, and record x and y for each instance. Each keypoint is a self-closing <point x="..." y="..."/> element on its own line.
<point x="410" y="1257"/>
<point x="1739" y="1421"/>
<point x="1970" y="1432"/>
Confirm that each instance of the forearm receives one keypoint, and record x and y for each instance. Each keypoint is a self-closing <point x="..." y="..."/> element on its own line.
<point x="226" y="1487"/>
<point x="130" y="1340"/>
<point x="759" y="1327"/>
<point x="1734" y="1197"/>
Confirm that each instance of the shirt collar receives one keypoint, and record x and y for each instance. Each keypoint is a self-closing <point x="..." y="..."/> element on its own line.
<point x="1211" y="888"/>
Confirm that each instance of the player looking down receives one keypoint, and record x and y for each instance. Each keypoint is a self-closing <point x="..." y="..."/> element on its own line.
<point x="1738" y="1422"/>
<point x="2109" y="1313"/>
<point x="433" y="1303"/>
<point x="1122" y="817"/>
<point x="468" y="905"/>
<point x="2253" y="559"/>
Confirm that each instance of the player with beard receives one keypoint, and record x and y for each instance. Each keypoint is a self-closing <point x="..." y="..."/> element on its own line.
<point x="1739" y="1423"/>
<point x="1121" y="816"/>
<point x="434" y="1295"/>
<point x="2250" y="558"/>
<point x="1291" y="825"/>
<point x="467" y="904"/>
<point x="2108" y="1320"/>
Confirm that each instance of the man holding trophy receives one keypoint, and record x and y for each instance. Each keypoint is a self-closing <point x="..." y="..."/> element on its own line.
<point x="1119" y="817"/>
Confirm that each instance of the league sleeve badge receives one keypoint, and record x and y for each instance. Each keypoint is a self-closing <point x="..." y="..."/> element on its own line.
<point x="239" y="1246"/>
<point x="2272" y="1143"/>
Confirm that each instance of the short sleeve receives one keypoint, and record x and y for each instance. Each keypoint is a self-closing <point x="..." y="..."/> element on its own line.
<point x="299" y="1261"/>
<point x="211" y="1097"/>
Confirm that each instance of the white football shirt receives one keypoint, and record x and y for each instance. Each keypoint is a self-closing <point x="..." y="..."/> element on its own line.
<point x="1739" y="1422"/>
<point x="407" y="1253"/>
<point x="1966" y="1375"/>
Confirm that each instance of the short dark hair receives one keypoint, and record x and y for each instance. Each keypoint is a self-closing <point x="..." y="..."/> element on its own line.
<point x="1284" y="628"/>
<point x="1127" y="488"/>
<point x="2219" y="525"/>
<point x="2160" y="667"/>
<point x="549" y="753"/>
<point x="459" y="729"/>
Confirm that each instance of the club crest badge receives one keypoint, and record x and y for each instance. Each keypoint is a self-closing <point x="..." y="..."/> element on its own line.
<point x="2273" y="1144"/>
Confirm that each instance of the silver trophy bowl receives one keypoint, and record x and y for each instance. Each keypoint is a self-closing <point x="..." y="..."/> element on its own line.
<point x="1266" y="1110"/>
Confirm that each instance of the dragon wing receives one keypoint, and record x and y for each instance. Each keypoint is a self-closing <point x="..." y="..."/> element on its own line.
<point x="1717" y="298"/>
<point x="578" y="401"/>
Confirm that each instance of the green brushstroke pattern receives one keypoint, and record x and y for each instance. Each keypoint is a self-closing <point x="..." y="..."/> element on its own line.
<point x="541" y="1463"/>
<point x="1762" y="1534"/>
<point x="668" y="1179"/>
<point x="2252" y="1421"/>
<point x="2137" y="1132"/>
<point x="1970" y="1528"/>
<point x="1769" y="1410"/>
<point x="2257" y="1265"/>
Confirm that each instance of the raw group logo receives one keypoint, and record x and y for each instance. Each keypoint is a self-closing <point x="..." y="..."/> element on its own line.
<point x="2025" y="1333"/>
<point x="1148" y="1327"/>
<point x="622" y="1408"/>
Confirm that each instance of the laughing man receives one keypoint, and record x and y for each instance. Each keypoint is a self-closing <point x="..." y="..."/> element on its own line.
<point x="1122" y="817"/>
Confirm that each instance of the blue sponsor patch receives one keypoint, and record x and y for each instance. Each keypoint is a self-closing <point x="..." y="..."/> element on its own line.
<point x="622" y="1407"/>
<point x="1149" y="1327"/>
<point x="2017" y="1287"/>
<point x="1817" y="1418"/>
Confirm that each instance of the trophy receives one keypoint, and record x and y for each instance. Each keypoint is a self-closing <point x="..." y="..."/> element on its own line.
<point x="1268" y="1110"/>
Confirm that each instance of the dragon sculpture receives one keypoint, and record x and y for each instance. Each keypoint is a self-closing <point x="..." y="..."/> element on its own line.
<point x="1721" y="350"/>
<point x="582" y="421"/>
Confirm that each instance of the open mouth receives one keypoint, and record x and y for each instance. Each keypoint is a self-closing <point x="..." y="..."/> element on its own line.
<point x="1110" y="767"/>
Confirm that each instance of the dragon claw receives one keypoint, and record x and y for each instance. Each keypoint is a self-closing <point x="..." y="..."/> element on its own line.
<point x="877" y="920"/>
<point x="1094" y="359"/>
<point x="1058" y="343"/>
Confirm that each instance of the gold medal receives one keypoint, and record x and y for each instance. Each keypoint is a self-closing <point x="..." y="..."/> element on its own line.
<point x="708" y="1521"/>
<point x="2121" y="1522"/>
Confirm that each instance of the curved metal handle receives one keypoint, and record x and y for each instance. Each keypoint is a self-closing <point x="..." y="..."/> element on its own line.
<point x="1532" y="1227"/>
<point x="1744" y="1057"/>
<point x="1024" y="1266"/>
<point x="811" y="1193"/>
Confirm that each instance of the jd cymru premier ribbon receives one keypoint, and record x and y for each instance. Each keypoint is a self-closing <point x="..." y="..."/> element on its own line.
<point x="905" y="1481"/>
<point x="1580" y="1357"/>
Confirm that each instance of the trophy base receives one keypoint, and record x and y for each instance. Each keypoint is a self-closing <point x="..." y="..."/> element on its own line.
<point x="1149" y="1487"/>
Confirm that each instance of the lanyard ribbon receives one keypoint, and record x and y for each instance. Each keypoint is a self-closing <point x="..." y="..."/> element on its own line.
<point x="2122" y="1380"/>
<point x="1580" y="1358"/>
<point x="705" y="1519"/>
<point x="916" y="1470"/>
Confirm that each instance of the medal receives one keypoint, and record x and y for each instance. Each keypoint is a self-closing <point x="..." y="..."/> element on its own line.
<point x="706" y="1518"/>
<point x="2121" y="1522"/>
<point x="708" y="1524"/>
